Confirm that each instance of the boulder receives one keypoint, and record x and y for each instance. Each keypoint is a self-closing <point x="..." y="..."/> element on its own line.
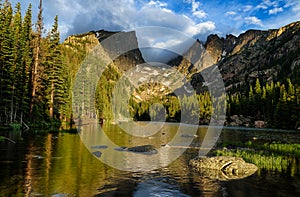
<point x="239" y="120"/>
<point x="223" y="167"/>
<point x="260" y="124"/>
<point x="99" y="147"/>
<point x="97" y="154"/>
<point x="146" y="149"/>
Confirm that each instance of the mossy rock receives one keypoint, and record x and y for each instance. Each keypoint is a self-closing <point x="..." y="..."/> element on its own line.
<point x="223" y="167"/>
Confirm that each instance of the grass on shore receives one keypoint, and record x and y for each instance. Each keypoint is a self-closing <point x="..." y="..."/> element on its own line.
<point x="273" y="156"/>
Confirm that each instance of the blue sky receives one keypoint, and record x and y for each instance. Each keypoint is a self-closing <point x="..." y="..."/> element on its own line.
<point x="196" y="18"/>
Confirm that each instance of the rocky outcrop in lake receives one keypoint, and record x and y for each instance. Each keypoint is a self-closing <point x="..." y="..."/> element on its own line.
<point x="143" y="149"/>
<point x="223" y="167"/>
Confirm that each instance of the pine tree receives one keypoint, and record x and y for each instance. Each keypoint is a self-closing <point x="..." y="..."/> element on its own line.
<point x="257" y="87"/>
<point x="54" y="71"/>
<point x="26" y="63"/>
<point x="17" y="52"/>
<point x="6" y="62"/>
<point x="36" y="70"/>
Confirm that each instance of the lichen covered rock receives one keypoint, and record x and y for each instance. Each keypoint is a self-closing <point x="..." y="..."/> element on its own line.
<point x="223" y="167"/>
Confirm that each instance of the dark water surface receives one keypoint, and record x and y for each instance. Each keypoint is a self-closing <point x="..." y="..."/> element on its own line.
<point x="59" y="164"/>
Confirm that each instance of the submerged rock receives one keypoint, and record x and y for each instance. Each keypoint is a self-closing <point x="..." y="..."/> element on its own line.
<point x="223" y="167"/>
<point x="147" y="149"/>
<point x="99" y="147"/>
<point x="122" y="148"/>
<point x="62" y="195"/>
<point x="189" y="135"/>
<point x="97" y="154"/>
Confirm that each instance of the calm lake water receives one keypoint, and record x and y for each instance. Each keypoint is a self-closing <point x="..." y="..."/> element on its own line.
<point x="60" y="164"/>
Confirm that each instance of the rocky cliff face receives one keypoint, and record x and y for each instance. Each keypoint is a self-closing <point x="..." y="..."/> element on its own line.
<point x="268" y="55"/>
<point x="81" y="43"/>
<point x="116" y="46"/>
<point x="122" y="48"/>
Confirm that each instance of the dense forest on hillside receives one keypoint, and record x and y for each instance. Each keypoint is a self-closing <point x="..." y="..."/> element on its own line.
<point x="277" y="104"/>
<point x="32" y="69"/>
<point x="37" y="75"/>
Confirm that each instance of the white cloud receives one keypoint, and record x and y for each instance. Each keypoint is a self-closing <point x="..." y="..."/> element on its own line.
<point x="167" y="44"/>
<point x="166" y="10"/>
<point x="66" y="9"/>
<point x="199" y="14"/>
<point x="115" y="15"/>
<point x="157" y="3"/>
<point x="64" y="28"/>
<point x="266" y="4"/>
<point x="253" y="20"/>
<point x="201" y="28"/>
<point x="261" y="6"/>
<point x="230" y="13"/>
<point x="195" y="5"/>
<point x="290" y="14"/>
<point x="247" y="8"/>
<point x="238" y="18"/>
<point x="296" y="7"/>
<point x="270" y="3"/>
<point x="275" y="11"/>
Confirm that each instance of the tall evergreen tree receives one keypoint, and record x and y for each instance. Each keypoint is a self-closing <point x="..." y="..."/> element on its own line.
<point x="27" y="58"/>
<point x="55" y="72"/>
<point x="6" y="61"/>
<point x="36" y="68"/>
<point x="17" y="52"/>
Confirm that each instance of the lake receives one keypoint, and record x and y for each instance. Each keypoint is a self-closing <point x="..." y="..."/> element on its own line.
<point x="94" y="163"/>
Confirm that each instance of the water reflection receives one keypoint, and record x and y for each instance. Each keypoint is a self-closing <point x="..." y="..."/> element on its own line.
<point x="161" y="186"/>
<point x="168" y="136"/>
<point x="50" y="164"/>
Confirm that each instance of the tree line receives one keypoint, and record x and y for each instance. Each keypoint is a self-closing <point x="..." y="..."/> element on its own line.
<point x="33" y="82"/>
<point x="278" y="104"/>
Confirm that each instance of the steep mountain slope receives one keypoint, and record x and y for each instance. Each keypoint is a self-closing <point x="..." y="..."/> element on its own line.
<point x="122" y="48"/>
<point x="267" y="55"/>
<point x="114" y="46"/>
<point x="88" y="54"/>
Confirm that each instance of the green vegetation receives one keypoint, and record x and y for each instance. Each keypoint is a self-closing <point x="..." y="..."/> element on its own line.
<point x="33" y="82"/>
<point x="36" y="70"/>
<point x="173" y="106"/>
<point x="269" y="156"/>
<point x="15" y="126"/>
<point x="284" y="149"/>
<point x="276" y="103"/>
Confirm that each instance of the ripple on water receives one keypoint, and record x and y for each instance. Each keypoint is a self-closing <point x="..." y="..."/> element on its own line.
<point x="158" y="187"/>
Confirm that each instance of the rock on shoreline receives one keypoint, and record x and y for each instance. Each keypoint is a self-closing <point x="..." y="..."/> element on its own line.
<point x="223" y="167"/>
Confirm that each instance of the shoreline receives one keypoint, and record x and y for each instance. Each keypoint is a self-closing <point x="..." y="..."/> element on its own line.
<point x="245" y="128"/>
<point x="223" y="127"/>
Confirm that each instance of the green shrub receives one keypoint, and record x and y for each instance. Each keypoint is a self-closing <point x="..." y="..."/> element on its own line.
<point x="15" y="126"/>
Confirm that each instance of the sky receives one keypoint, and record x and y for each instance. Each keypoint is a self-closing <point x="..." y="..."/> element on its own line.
<point x="194" y="18"/>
